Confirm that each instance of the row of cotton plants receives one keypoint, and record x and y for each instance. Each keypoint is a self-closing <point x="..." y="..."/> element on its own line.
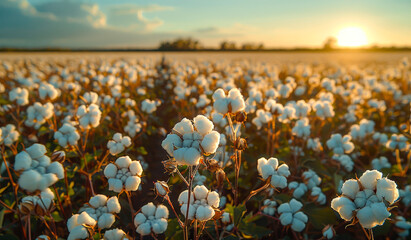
<point x="117" y="149"/>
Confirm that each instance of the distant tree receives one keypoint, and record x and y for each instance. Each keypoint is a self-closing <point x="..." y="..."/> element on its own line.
<point x="180" y="44"/>
<point x="252" y="46"/>
<point x="330" y="43"/>
<point x="226" y="45"/>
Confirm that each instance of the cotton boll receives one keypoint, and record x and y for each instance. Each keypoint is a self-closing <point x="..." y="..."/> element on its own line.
<point x="115" y="185"/>
<point x="159" y="226"/>
<point x="148" y="209"/>
<point x="110" y="171"/>
<point x="213" y="199"/>
<point x="266" y="171"/>
<point x="204" y="213"/>
<point x="22" y="161"/>
<point x="278" y="181"/>
<point x="30" y="180"/>
<point x="132" y="183"/>
<point x="36" y="150"/>
<point x="123" y="162"/>
<point x="387" y="190"/>
<point x="78" y="232"/>
<point x="210" y="142"/>
<point x="203" y="125"/>
<point x="344" y="206"/>
<point x="113" y="205"/>
<point x="135" y="168"/>
<point x="350" y="188"/>
<point x="114" y="234"/>
<point x="283" y="170"/>
<point x="56" y="168"/>
<point x="139" y="219"/>
<point x="183" y="197"/>
<point x="200" y="192"/>
<point x="191" y="211"/>
<point x="144" y="229"/>
<point x="369" y="179"/>
<point x="299" y="221"/>
<point x="192" y="156"/>
<point x="106" y="220"/>
<point x="72" y="222"/>
<point x="161" y="212"/>
<point x="286" y="218"/>
<point x="183" y="127"/>
<point x="98" y="200"/>
<point x="84" y="218"/>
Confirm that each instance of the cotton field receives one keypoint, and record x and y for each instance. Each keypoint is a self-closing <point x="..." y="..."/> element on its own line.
<point x="204" y="147"/>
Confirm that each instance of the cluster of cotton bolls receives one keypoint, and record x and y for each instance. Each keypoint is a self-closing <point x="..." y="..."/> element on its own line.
<point x="152" y="218"/>
<point x="189" y="141"/>
<point x="67" y="135"/>
<point x="38" y="114"/>
<point x="124" y="174"/>
<point x="8" y="135"/>
<point x="200" y="204"/>
<point x="38" y="172"/>
<point x="271" y="169"/>
<point x="118" y="144"/>
<point x="366" y="199"/>
<point x="102" y="209"/>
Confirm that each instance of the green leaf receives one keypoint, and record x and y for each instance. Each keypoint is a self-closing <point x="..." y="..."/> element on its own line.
<point x="252" y="230"/>
<point x="56" y="216"/>
<point x="319" y="217"/>
<point x="2" y="217"/>
<point x="174" y="230"/>
<point x="237" y="212"/>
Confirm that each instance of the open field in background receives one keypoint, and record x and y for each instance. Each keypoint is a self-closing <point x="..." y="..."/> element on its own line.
<point x="269" y="145"/>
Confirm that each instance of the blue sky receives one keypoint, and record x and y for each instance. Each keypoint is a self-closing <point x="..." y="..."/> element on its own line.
<point x="127" y="23"/>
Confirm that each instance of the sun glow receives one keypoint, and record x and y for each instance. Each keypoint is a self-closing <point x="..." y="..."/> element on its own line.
<point x="352" y="37"/>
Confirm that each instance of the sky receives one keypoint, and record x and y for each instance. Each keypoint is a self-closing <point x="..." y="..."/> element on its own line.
<point x="144" y="24"/>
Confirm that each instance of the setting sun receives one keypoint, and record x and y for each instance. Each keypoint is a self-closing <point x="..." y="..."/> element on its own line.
<point x="352" y="37"/>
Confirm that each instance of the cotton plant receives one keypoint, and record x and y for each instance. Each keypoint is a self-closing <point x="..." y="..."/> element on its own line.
<point x="20" y="95"/>
<point x="102" y="209"/>
<point x="406" y="195"/>
<point x="271" y="169"/>
<point x="318" y="196"/>
<point x="202" y="203"/>
<point x="397" y="141"/>
<point x="151" y="219"/>
<point x="67" y="135"/>
<point x="8" y="135"/>
<point x="269" y="207"/>
<point x="298" y="189"/>
<point x="340" y="144"/>
<point x="314" y="144"/>
<point x="311" y="179"/>
<point x="89" y="116"/>
<point x="233" y="102"/>
<point x="290" y="215"/>
<point x="149" y="106"/>
<point x="323" y="109"/>
<point x="402" y="226"/>
<point x="80" y="226"/>
<point x="262" y="117"/>
<point x="123" y="174"/>
<point x="380" y="163"/>
<point x="366" y="199"/>
<point x="345" y="161"/>
<point x="37" y="170"/>
<point x="48" y="91"/>
<point x="42" y="204"/>
<point x="189" y="141"/>
<point x="38" y="114"/>
<point x="363" y="129"/>
<point x="302" y="128"/>
<point x="90" y="98"/>
<point x="118" y="144"/>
